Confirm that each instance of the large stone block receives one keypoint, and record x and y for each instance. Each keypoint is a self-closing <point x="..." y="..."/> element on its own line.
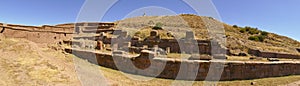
<point x="147" y="54"/>
<point x="200" y="57"/>
<point x="154" y="33"/>
<point x="190" y="35"/>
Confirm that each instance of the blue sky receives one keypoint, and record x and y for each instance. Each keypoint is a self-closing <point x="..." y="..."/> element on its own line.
<point x="277" y="16"/>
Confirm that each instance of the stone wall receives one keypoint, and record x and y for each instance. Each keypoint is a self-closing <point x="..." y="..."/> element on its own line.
<point x="233" y="70"/>
<point x="44" y="34"/>
<point x="272" y="54"/>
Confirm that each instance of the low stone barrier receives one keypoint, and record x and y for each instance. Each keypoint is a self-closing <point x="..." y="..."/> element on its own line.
<point x="37" y="34"/>
<point x="233" y="70"/>
<point x="272" y="54"/>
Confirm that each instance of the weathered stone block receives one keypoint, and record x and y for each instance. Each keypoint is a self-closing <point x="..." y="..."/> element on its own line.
<point x="190" y="35"/>
<point x="100" y="45"/>
<point x="147" y="54"/>
<point x="298" y="49"/>
<point x="123" y="34"/>
<point x="200" y="57"/>
<point x="117" y="32"/>
<point x="154" y="33"/>
<point x="219" y="56"/>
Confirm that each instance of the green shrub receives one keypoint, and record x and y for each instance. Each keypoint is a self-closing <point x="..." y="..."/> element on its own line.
<point x="248" y="28"/>
<point x="259" y="38"/>
<point x="158" y="26"/>
<point x="264" y="33"/>
<point x="242" y="30"/>
<point x="252" y="31"/>
<point x="254" y="38"/>
<point x="235" y="26"/>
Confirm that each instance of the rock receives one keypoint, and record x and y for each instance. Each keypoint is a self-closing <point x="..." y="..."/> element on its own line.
<point x="253" y="83"/>
<point x="200" y="57"/>
<point x="298" y="49"/>
<point x="100" y="45"/>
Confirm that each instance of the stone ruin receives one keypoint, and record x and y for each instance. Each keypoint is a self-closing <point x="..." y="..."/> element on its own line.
<point x="121" y="41"/>
<point x="88" y="38"/>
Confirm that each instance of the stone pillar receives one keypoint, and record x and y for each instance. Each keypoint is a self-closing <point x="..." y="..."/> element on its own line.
<point x="190" y="35"/>
<point x="123" y="42"/>
<point x="100" y="45"/>
<point x="153" y="39"/>
<point x="168" y="50"/>
<point x="191" y="43"/>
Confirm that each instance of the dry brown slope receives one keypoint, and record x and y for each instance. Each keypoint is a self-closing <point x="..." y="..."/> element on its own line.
<point x="26" y="63"/>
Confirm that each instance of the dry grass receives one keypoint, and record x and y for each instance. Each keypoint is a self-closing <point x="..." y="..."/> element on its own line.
<point x="118" y="78"/>
<point x="25" y="63"/>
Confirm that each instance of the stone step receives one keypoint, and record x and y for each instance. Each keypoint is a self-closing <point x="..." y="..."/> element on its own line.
<point x="98" y="31"/>
<point x="94" y="27"/>
<point x="94" y="24"/>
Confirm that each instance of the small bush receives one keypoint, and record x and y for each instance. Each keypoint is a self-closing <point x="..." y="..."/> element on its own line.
<point x="259" y="38"/>
<point x="254" y="38"/>
<point x="243" y="30"/>
<point x="248" y="28"/>
<point x="264" y="33"/>
<point x="158" y="26"/>
<point x="252" y="30"/>
<point x="235" y="26"/>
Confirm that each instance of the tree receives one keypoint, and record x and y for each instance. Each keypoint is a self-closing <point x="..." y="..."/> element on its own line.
<point x="235" y="26"/>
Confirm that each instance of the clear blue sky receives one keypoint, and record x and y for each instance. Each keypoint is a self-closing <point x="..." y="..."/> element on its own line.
<point x="277" y="16"/>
